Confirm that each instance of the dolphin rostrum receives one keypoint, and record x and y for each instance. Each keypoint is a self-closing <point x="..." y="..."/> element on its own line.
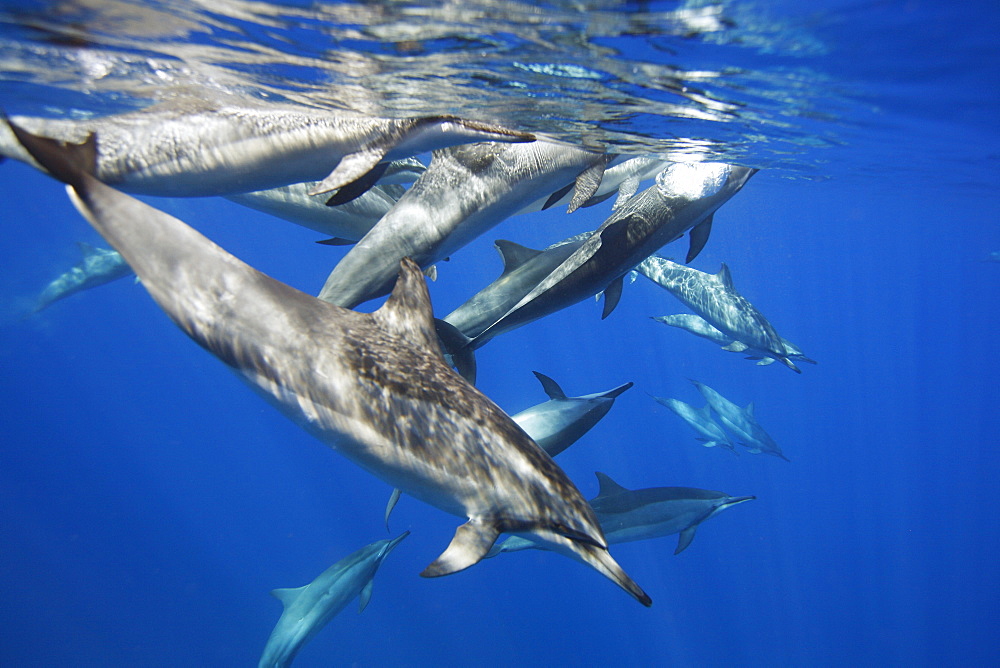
<point x="628" y="515"/>
<point x="741" y="422"/>
<point x="713" y="297"/>
<point x="308" y="609"/>
<point x="97" y="267"/>
<point x="191" y="147"/>
<point x="465" y="191"/>
<point x="684" y="198"/>
<point x="374" y="387"/>
<point x="701" y="421"/>
<point x="701" y="327"/>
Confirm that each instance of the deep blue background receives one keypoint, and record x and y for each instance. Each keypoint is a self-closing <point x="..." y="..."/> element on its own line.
<point x="149" y="500"/>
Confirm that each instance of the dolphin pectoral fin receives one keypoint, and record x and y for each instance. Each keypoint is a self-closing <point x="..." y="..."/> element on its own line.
<point x="556" y="196"/>
<point x="336" y="241"/>
<point x="431" y="272"/>
<point x="471" y="543"/>
<point x="457" y="347"/>
<point x="626" y="189"/>
<point x="393" y="500"/>
<point x="365" y="596"/>
<point x="597" y="199"/>
<point x="587" y="183"/>
<point x="612" y="295"/>
<point x="685" y="539"/>
<point x="64" y="161"/>
<point x="359" y="186"/>
<point x="790" y="364"/>
<point x="735" y="347"/>
<point x="699" y="237"/>
<point x="762" y="361"/>
<point x="351" y="168"/>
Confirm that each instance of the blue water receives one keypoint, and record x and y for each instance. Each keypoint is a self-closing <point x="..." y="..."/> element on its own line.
<point x="149" y="501"/>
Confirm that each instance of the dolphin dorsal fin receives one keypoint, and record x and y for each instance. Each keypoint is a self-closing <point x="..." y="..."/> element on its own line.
<point x="749" y="409"/>
<point x="513" y="255"/>
<point x="608" y="486"/>
<point x="407" y="313"/>
<point x="86" y="250"/>
<point x="725" y="277"/>
<point x="550" y="386"/>
<point x="288" y="596"/>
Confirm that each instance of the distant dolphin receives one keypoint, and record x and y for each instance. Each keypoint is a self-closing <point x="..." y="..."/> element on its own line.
<point x="374" y="386"/>
<point x="629" y="515"/>
<point x="684" y="198"/>
<point x="701" y="327"/>
<point x="992" y="257"/>
<point x="523" y="268"/>
<point x="465" y="191"/>
<point x="308" y="609"/>
<point x="561" y="421"/>
<point x="193" y="147"/>
<point x="97" y="267"/>
<point x="741" y="421"/>
<point x="713" y="297"/>
<point x="701" y="421"/>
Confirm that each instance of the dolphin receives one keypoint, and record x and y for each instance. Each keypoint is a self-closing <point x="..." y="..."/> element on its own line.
<point x="713" y="297"/>
<point x="559" y="422"/>
<point x="555" y="424"/>
<point x="684" y="198"/>
<point x="629" y="515"/>
<point x="993" y="256"/>
<point x="741" y="421"/>
<point x="97" y="267"/>
<point x="308" y="609"/>
<point x="621" y="178"/>
<point x="701" y="327"/>
<point x="191" y="147"/>
<point x="701" y="421"/>
<point x="523" y="268"/>
<point x="374" y="387"/>
<point x="465" y="191"/>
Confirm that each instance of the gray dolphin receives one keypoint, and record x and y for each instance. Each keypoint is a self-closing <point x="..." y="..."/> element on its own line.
<point x="97" y="267"/>
<point x="465" y="191"/>
<point x="684" y="198"/>
<point x="741" y="421"/>
<point x="629" y="515"/>
<point x="713" y="297"/>
<point x="308" y="609"/>
<point x="190" y="147"/>
<point x="559" y="422"/>
<point x="374" y="387"/>
<point x="623" y="177"/>
<point x="701" y="327"/>
<point x="523" y="268"/>
<point x="701" y="421"/>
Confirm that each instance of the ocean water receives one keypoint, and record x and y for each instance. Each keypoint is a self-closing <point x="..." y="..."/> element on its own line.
<point x="149" y="501"/>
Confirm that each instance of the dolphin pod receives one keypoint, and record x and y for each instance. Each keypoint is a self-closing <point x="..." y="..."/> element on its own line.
<point x="374" y="387"/>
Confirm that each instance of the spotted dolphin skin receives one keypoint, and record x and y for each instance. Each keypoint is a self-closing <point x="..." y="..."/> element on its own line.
<point x="628" y="515"/>
<point x="713" y="297"/>
<point x="308" y="609"/>
<point x="741" y="422"/>
<point x="465" y="191"/>
<point x="684" y="199"/>
<point x="97" y="267"/>
<point x="374" y="387"/>
<point x="701" y="327"/>
<point x="191" y="147"/>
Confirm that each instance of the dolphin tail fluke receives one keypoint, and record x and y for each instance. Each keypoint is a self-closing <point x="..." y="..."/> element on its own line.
<point x="471" y="543"/>
<point x="457" y="346"/>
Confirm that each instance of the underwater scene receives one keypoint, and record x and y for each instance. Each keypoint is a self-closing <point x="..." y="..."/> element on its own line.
<point x="640" y="333"/>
